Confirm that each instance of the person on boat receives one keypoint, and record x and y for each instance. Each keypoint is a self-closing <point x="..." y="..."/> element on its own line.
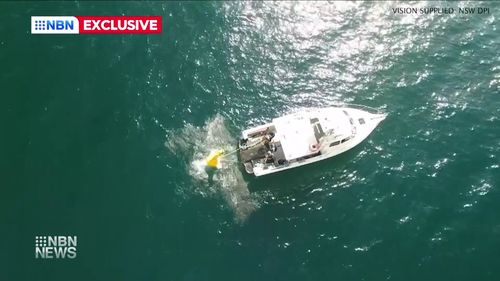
<point x="266" y="139"/>
<point x="269" y="134"/>
<point x="269" y="158"/>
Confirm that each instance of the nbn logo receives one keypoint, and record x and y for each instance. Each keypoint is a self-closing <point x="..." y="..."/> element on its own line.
<point x="60" y="24"/>
<point x="54" y="25"/>
<point x="58" y="247"/>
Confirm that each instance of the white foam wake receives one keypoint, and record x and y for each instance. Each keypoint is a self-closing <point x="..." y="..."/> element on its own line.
<point x="193" y="144"/>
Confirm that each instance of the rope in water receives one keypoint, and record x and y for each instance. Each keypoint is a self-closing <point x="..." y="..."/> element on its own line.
<point x="231" y="152"/>
<point x="228" y="153"/>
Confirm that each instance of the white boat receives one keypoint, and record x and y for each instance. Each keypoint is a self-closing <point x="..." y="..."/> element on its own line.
<point x="306" y="137"/>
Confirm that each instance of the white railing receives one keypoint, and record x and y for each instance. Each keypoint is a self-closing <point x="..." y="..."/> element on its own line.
<point x="364" y="107"/>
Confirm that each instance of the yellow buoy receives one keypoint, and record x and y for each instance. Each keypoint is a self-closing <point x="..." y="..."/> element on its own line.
<point x="213" y="159"/>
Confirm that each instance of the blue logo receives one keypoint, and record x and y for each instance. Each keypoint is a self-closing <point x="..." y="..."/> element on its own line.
<point x="54" y="24"/>
<point x="39" y="25"/>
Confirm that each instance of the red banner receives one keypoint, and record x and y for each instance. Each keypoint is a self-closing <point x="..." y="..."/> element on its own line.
<point x="120" y="24"/>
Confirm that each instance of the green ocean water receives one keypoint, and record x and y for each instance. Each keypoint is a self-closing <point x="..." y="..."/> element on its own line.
<point x="102" y="138"/>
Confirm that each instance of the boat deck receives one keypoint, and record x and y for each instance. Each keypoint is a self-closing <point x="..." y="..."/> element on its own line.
<point x="295" y="134"/>
<point x="279" y="154"/>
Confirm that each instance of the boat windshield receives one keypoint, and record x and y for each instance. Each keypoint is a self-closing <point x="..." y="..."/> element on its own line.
<point x="318" y="130"/>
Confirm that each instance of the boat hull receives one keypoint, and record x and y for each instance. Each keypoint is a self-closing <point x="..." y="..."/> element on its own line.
<point x="263" y="153"/>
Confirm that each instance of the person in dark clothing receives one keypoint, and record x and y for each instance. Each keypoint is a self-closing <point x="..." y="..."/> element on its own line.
<point x="265" y="142"/>
<point x="266" y="139"/>
<point x="269" y="158"/>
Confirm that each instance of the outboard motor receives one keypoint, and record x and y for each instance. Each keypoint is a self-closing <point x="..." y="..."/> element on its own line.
<point x="252" y="150"/>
